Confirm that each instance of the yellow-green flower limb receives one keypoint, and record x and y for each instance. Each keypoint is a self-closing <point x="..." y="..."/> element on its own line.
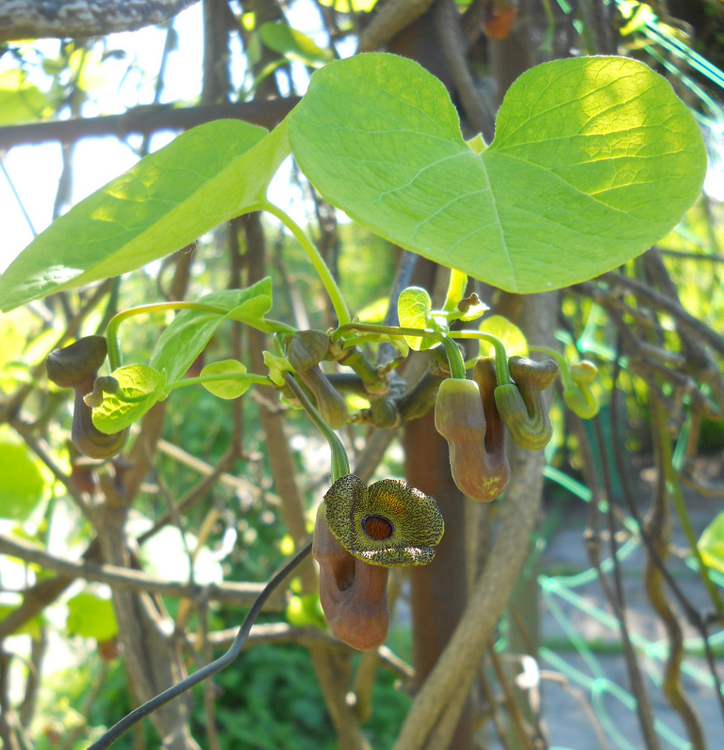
<point x="455" y="359"/>
<point x="325" y="275"/>
<point x="114" y="346"/>
<point x="502" y="372"/>
<point x="565" y="370"/>
<point x="340" y="462"/>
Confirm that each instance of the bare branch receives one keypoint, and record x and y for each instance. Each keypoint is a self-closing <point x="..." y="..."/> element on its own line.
<point x="236" y="594"/>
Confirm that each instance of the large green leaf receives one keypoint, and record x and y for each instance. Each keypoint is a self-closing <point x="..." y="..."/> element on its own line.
<point x="189" y="332"/>
<point x="594" y="159"/>
<point x="204" y="177"/>
<point x="22" y="483"/>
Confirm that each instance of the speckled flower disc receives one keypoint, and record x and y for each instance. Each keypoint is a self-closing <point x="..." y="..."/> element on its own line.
<point x="390" y="523"/>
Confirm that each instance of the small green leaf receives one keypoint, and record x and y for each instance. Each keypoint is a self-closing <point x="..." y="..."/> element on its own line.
<point x="512" y="337"/>
<point x="89" y="616"/>
<point x="189" y="332"/>
<point x="228" y="389"/>
<point x="115" y="415"/>
<point x="22" y="484"/>
<point x="413" y="310"/>
<point x="305" y="610"/>
<point x="594" y="160"/>
<point x="205" y="177"/>
<point x="711" y="544"/>
<point x="291" y="43"/>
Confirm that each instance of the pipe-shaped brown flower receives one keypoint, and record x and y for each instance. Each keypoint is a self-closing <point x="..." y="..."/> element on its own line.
<point x="360" y="532"/>
<point x="76" y="366"/>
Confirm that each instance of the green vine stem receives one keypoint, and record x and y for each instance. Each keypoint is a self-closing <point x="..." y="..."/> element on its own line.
<point x="455" y="290"/>
<point x="455" y="359"/>
<point x="340" y="462"/>
<point x="502" y="373"/>
<point x="566" y="376"/>
<point x="335" y="295"/>
<point x="114" y="345"/>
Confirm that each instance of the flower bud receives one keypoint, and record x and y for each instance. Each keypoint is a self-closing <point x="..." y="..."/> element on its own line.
<point x="306" y="349"/>
<point x="521" y="405"/>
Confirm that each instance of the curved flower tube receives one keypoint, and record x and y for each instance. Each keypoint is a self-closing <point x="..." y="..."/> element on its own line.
<point x="76" y="366"/>
<point x="390" y="524"/>
<point x="353" y="593"/>
<point x="521" y="404"/>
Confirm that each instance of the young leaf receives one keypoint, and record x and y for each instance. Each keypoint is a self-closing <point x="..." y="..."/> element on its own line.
<point x="228" y="389"/>
<point x="413" y="307"/>
<point x="189" y="332"/>
<point x="115" y="415"/>
<point x="511" y="336"/>
<point x="594" y="159"/>
<point x="204" y="177"/>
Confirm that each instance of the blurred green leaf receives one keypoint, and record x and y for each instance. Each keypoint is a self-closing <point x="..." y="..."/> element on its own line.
<point x="711" y="543"/>
<point x="20" y="100"/>
<point x="294" y="45"/>
<point x="22" y="484"/>
<point x="512" y="337"/>
<point x="32" y="627"/>
<point x="89" y="616"/>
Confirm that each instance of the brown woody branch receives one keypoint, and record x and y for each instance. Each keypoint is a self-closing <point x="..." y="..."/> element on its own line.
<point x="146" y="121"/>
<point x="235" y="594"/>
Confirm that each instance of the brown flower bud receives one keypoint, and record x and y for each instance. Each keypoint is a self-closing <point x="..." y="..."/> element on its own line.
<point x="76" y="366"/>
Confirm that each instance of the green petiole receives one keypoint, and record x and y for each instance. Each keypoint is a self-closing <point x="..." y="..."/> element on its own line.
<point x="335" y="295"/>
<point x="455" y="290"/>
<point x="502" y="373"/>
<point x="340" y="462"/>
<point x="114" y="345"/>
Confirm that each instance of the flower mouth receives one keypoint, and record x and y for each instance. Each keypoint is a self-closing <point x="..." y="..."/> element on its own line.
<point x="377" y="528"/>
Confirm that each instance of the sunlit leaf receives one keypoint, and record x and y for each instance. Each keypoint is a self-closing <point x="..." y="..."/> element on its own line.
<point x="228" y="389"/>
<point x="413" y="307"/>
<point x="136" y="381"/>
<point x="594" y="159"/>
<point x="20" y="100"/>
<point x="205" y="177"/>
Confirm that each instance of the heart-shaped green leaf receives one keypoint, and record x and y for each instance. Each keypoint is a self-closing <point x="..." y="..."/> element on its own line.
<point x="594" y="159"/>
<point x="230" y="388"/>
<point x="89" y="616"/>
<point x="114" y="415"/>
<point x="189" y="332"/>
<point x="203" y="178"/>
<point x="413" y="307"/>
